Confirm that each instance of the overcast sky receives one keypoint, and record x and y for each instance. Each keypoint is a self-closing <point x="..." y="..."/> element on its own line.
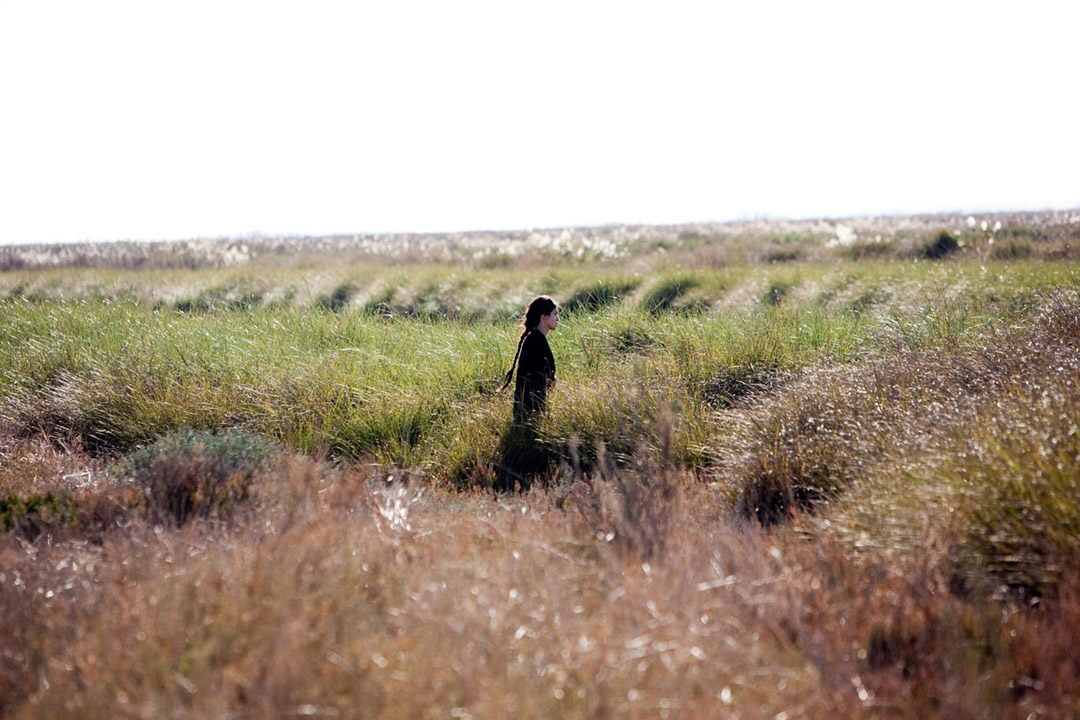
<point x="192" y="118"/>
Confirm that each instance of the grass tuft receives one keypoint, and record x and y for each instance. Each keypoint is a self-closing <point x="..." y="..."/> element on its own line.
<point x="188" y="474"/>
<point x="940" y="246"/>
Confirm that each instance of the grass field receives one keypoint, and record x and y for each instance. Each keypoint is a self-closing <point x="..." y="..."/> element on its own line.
<point x="788" y="471"/>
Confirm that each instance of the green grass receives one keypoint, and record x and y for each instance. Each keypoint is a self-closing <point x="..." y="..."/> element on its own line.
<point x="395" y="385"/>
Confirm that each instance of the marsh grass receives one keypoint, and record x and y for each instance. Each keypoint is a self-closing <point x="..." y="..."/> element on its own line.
<point x="852" y="498"/>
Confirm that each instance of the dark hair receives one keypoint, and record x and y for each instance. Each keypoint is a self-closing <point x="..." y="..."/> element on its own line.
<point x="541" y="305"/>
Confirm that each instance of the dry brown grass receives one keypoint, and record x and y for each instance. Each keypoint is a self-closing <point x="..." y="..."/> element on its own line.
<point x="337" y="593"/>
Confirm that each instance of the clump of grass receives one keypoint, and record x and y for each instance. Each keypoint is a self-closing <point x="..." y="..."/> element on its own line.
<point x="664" y="295"/>
<point x="985" y="433"/>
<point x="598" y="295"/>
<point x="82" y="515"/>
<point x="631" y="340"/>
<point x="635" y="507"/>
<point x="777" y="255"/>
<point x="388" y="427"/>
<point x="189" y="474"/>
<point x="338" y="298"/>
<point x="220" y="299"/>
<point x="777" y="292"/>
<point x="832" y="427"/>
<point x="1016" y="469"/>
<point x="381" y="303"/>
<point x="940" y="246"/>
<point x="863" y="250"/>
<point x="1012" y="250"/>
<point x="733" y="384"/>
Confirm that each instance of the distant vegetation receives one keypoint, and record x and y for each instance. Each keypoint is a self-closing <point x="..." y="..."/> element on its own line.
<point x="798" y="470"/>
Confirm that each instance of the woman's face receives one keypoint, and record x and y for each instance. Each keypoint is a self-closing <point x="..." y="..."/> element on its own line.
<point x="550" y="321"/>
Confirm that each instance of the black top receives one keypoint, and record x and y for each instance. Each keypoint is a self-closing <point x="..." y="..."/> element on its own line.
<point x="536" y="370"/>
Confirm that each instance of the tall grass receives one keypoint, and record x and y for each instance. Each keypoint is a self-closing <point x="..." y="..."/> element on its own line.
<point x="769" y="487"/>
<point x="628" y="593"/>
<point x="393" y="386"/>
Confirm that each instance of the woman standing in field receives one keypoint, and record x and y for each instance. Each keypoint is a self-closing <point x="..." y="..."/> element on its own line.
<point x="534" y="361"/>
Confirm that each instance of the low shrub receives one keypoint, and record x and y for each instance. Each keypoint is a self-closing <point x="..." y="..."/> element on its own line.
<point x="189" y="474"/>
<point x="30" y="515"/>
<point x="940" y="246"/>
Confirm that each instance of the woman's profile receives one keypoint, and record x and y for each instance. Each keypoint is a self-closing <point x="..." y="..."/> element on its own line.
<point x="534" y="362"/>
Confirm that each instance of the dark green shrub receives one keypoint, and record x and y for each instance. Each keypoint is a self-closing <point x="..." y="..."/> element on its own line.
<point x="784" y="255"/>
<point x="190" y="474"/>
<point x="338" y="298"/>
<point x="30" y="515"/>
<point x="940" y="247"/>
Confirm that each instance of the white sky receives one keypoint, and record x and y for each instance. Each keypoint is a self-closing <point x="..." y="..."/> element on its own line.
<point x="154" y="120"/>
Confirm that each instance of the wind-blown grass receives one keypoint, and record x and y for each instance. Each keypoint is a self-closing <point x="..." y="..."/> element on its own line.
<point x="117" y="372"/>
<point x="803" y="485"/>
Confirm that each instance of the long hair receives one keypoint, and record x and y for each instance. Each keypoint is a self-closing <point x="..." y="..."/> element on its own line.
<point x="542" y="305"/>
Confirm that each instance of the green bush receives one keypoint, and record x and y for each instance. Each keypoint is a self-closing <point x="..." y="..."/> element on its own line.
<point x="941" y="246"/>
<point x="189" y="473"/>
<point x="30" y="515"/>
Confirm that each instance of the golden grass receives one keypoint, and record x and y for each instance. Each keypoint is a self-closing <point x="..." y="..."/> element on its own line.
<point x="341" y="594"/>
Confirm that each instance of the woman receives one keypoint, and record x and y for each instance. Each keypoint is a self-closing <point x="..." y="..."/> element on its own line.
<point x="533" y="359"/>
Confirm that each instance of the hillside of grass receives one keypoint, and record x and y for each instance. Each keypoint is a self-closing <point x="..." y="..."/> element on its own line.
<point x="787" y="472"/>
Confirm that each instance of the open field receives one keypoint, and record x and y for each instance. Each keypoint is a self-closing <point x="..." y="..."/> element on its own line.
<point x="790" y="470"/>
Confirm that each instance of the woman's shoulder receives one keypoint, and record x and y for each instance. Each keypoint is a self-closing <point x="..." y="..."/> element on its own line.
<point x="535" y="338"/>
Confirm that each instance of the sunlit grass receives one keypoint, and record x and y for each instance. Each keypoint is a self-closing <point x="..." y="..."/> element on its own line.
<point x="780" y="478"/>
<point x="381" y="383"/>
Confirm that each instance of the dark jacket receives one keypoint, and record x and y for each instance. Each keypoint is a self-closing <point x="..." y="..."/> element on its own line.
<point x="536" y="370"/>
